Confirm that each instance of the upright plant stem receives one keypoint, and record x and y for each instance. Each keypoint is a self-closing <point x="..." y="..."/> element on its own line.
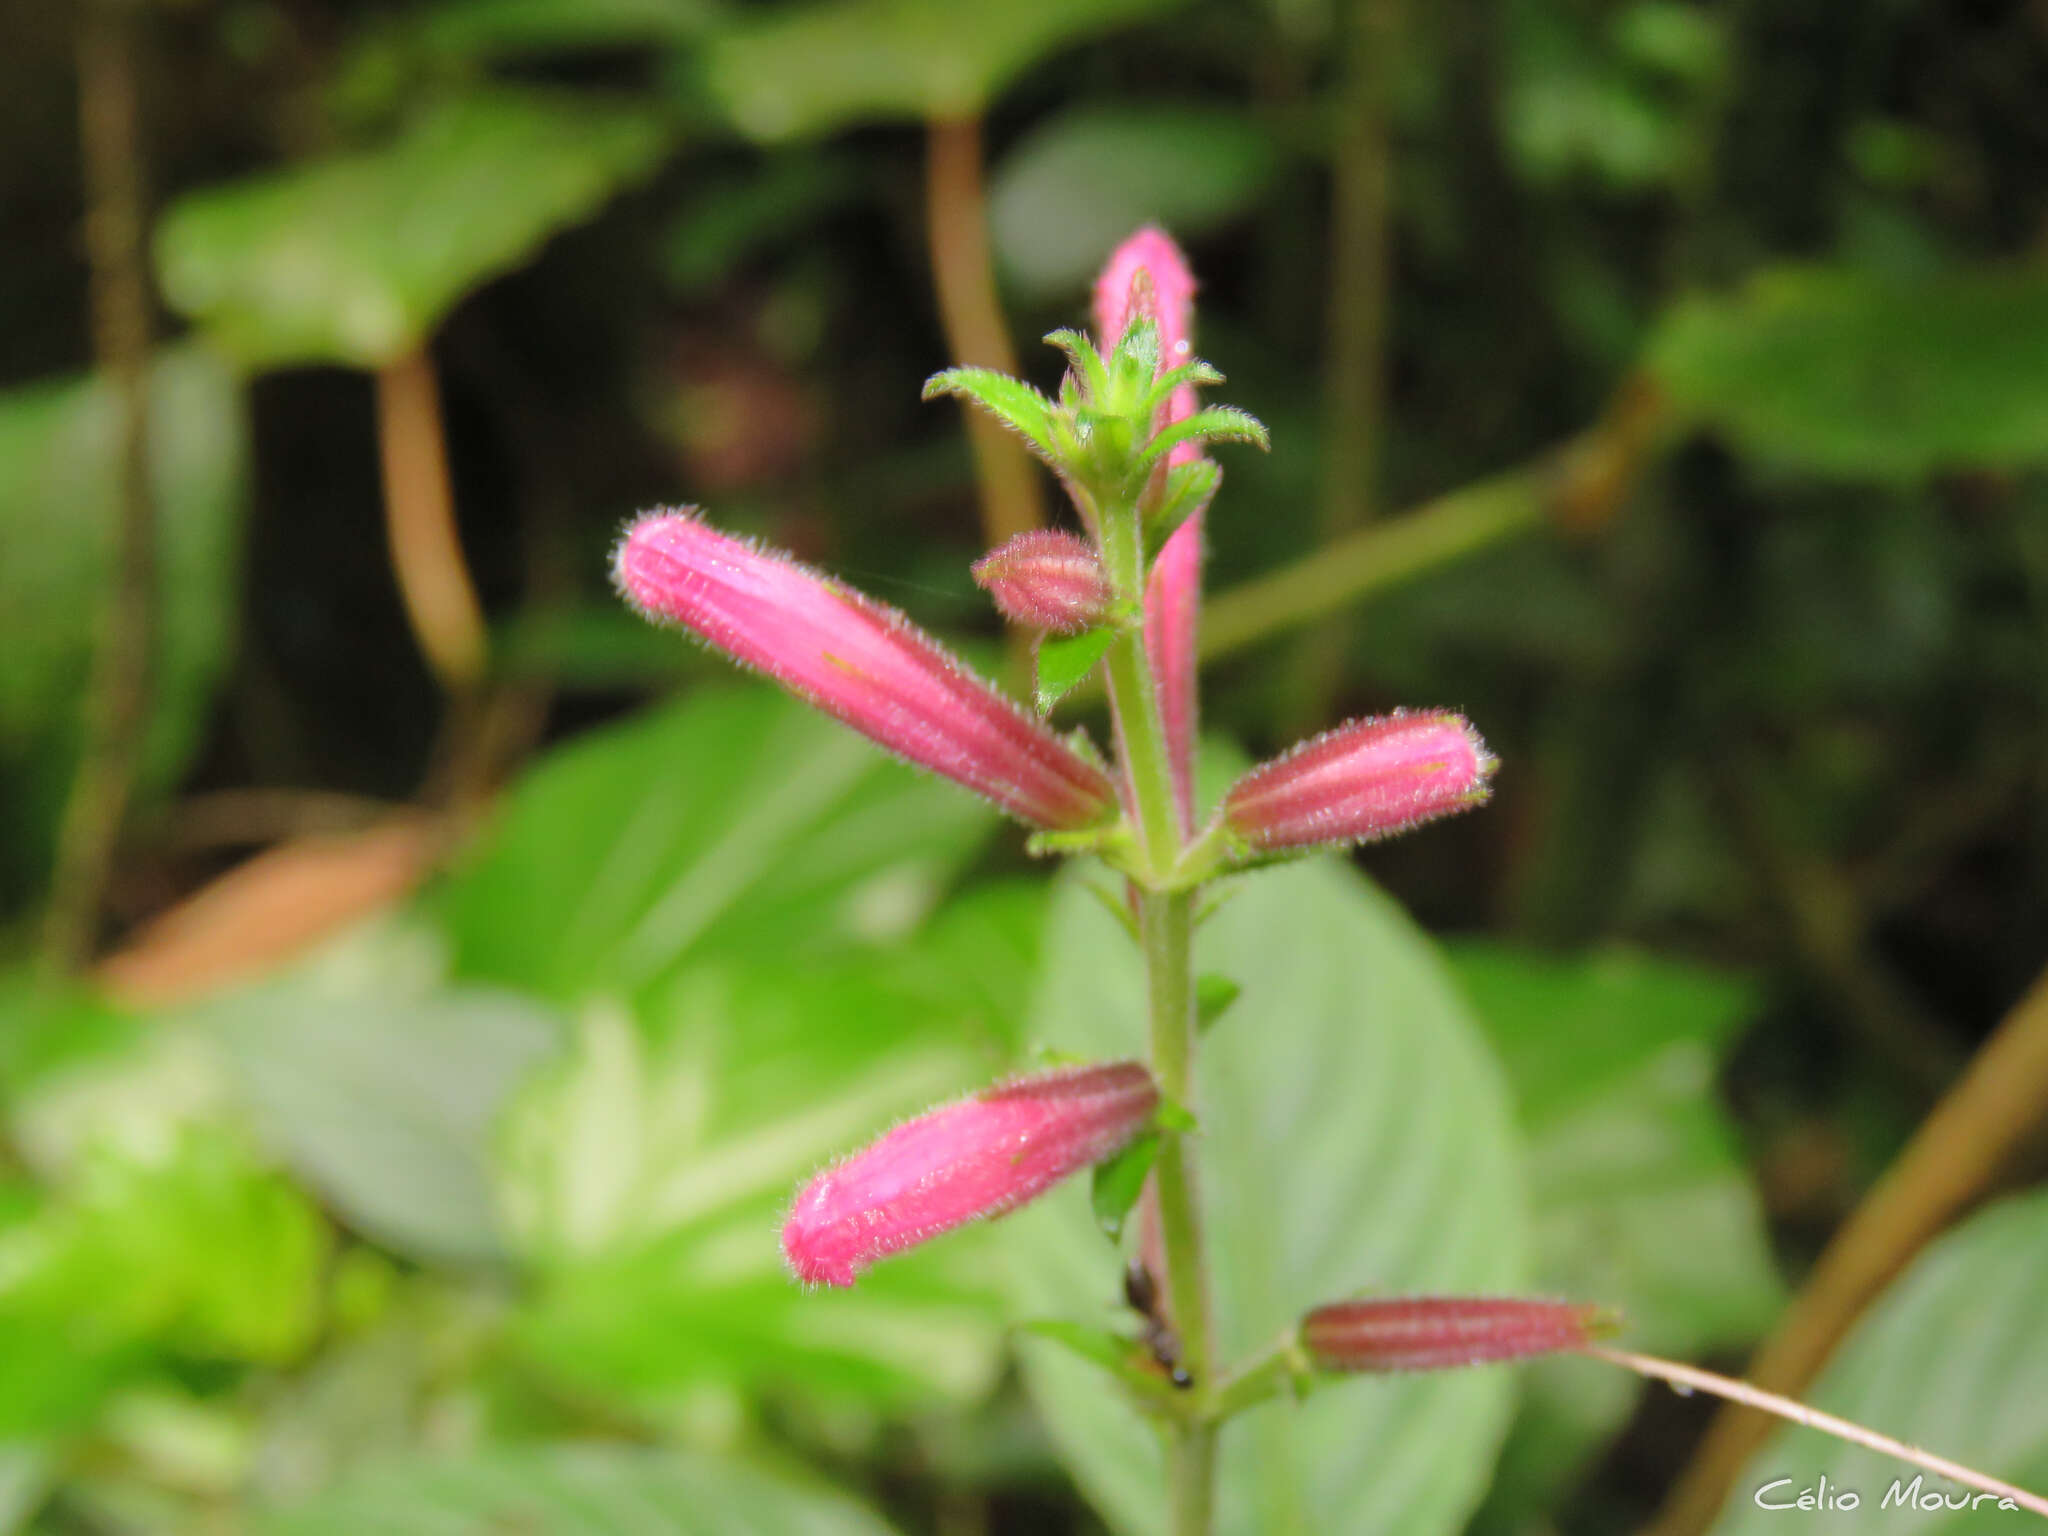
<point x="963" y="271"/>
<point x="419" y="518"/>
<point x="1166" y="930"/>
<point x="118" y="706"/>
<point x="1354" y="375"/>
<point x="1166" y="935"/>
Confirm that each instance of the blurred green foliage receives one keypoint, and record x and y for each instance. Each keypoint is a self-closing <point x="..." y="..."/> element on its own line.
<point x="465" y="1221"/>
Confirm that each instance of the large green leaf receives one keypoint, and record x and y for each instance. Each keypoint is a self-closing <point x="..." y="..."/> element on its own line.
<point x="1865" y="376"/>
<point x="1642" y="1200"/>
<point x="59" y="505"/>
<point x="577" y="1490"/>
<point x="1061" y="200"/>
<point x="1355" y="1137"/>
<point x="814" y="68"/>
<point x="1952" y="1359"/>
<point x="647" y="1176"/>
<point x="356" y="260"/>
<point x="736" y="823"/>
<point x="385" y="1100"/>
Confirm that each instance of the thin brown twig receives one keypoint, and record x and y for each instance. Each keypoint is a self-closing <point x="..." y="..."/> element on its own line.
<point x="1690" y="1378"/>
<point x="963" y="273"/>
<point x="419" y="517"/>
<point x="117" y="708"/>
<point x="1951" y="1161"/>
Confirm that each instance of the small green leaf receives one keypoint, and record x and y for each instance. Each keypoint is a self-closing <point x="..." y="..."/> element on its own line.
<point x="1064" y="662"/>
<point x="1112" y="1351"/>
<point x="1087" y="362"/>
<point x="1190" y="487"/>
<point x="1172" y="1116"/>
<point x="1119" y="1181"/>
<point x="1213" y="996"/>
<point x="1211" y="424"/>
<point x="1011" y="401"/>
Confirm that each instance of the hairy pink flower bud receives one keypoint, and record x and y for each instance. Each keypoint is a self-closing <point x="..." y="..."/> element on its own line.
<point x="860" y="662"/>
<point x="1434" y="1333"/>
<point x="1148" y="275"/>
<point x="1046" y="579"/>
<point x="978" y="1157"/>
<point x="1364" y="780"/>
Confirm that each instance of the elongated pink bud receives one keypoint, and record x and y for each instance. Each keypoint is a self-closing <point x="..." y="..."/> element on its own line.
<point x="1046" y="579"/>
<point x="1365" y="780"/>
<point x="1434" y="1333"/>
<point x="978" y="1157"/>
<point x="1173" y="603"/>
<point x="860" y="662"/>
<point x="1147" y="274"/>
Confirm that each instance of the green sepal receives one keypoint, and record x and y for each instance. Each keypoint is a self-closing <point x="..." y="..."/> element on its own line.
<point x="1211" y="424"/>
<point x="1190" y="487"/>
<point x="1090" y="373"/>
<point x="1118" y="908"/>
<point x="1119" y="1181"/>
<point x="1197" y="373"/>
<point x="1213" y="996"/>
<point x="1011" y="401"/>
<point x="1064" y="662"/>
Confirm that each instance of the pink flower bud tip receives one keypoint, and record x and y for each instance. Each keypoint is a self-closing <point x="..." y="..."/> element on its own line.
<point x="1434" y="1333"/>
<point x="978" y="1157"/>
<point x="1365" y="780"/>
<point x="1148" y="273"/>
<point x="860" y="662"/>
<point x="1046" y="579"/>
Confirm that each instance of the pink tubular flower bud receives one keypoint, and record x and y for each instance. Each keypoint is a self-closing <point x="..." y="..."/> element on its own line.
<point x="1434" y="1333"/>
<point x="861" y="663"/>
<point x="1365" y="780"/>
<point x="1147" y="274"/>
<point x="1046" y="579"/>
<point x="1173" y="603"/>
<point x="978" y="1157"/>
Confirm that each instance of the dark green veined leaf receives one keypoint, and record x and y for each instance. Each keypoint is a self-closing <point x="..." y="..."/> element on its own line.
<point x="1354" y="1137"/>
<point x="1868" y="377"/>
<point x="1951" y="1358"/>
<point x="356" y="260"/>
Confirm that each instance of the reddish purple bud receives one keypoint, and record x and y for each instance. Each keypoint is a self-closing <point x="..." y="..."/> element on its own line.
<point x="978" y="1157"/>
<point x="1046" y="579"/>
<point x="1173" y="601"/>
<point x="1364" y="780"/>
<point x="860" y="662"/>
<point x="1434" y="1333"/>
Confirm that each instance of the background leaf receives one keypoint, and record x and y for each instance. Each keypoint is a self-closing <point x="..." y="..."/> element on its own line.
<point x="1868" y="376"/>
<point x="357" y="259"/>
<point x="1642" y="1200"/>
<point x="1951" y="1358"/>
<point x="1081" y="182"/>
<point x="1355" y="1138"/>
<point x="569" y="1489"/>
<point x="739" y="821"/>
<point x="816" y="67"/>
<point x="59" y="501"/>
